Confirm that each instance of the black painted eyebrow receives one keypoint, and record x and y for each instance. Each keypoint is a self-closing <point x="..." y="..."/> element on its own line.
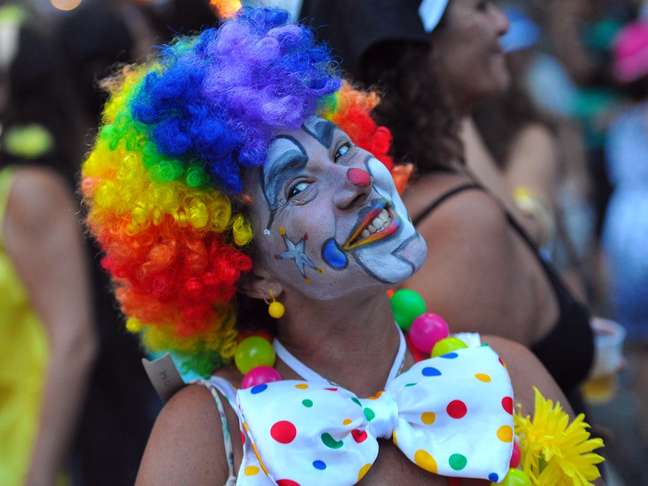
<point x="321" y="130"/>
<point x="275" y="174"/>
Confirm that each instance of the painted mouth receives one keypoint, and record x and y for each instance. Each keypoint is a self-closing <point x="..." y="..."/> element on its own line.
<point x="378" y="223"/>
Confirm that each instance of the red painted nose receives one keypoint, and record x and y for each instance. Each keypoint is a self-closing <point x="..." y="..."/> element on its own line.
<point x="359" y="177"/>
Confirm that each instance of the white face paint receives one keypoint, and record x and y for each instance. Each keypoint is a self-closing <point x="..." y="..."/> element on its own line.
<point x="399" y="256"/>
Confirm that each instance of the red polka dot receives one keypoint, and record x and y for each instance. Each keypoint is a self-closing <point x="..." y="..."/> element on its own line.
<point x="507" y="404"/>
<point x="502" y="362"/>
<point x="457" y="409"/>
<point x="242" y="438"/>
<point x="359" y="435"/>
<point x="331" y="389"/>
<point x="287" y="482"/>
<point x="283" y="432"/>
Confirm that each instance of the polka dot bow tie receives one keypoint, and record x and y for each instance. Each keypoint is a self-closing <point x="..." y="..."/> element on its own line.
<point x="450" y="415"/>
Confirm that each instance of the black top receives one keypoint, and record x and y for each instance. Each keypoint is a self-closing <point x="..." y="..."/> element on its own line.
<point x="568" y="350"/>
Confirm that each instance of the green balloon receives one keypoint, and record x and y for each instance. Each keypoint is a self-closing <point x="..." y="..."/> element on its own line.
<point x="515" y="477"/>
<point x="447" y="345"/>
<point x="406" y="306"/>
<point x="252" y="352"/>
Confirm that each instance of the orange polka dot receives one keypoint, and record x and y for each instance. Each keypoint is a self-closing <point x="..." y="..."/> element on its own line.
<point x="483" y="377"/>
<point x="301" y="386"/>
<point x="428" y="418"/>
<point x="251" y="471"/>
<point x="424" y="460"/>
<point x="505" y="433"/>
<point x="363" y="471"/>
<point x="347" y="421"/>
<point x="376" y="396"/>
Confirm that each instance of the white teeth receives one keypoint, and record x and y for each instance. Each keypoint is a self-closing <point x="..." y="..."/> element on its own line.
<point x="379" y="223"/>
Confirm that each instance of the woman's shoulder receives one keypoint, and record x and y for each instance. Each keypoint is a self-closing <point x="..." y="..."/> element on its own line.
<point x="186" y="445"/>
<point x="463" y="209"/>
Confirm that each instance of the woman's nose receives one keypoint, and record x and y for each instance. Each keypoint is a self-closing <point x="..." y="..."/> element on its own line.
<point x="359" y="177"/>
<point x="355" y="190"/>
<point x="501" y="21"/>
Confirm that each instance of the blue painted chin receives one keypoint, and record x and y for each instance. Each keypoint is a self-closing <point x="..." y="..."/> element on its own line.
<point x="334" y="256"/>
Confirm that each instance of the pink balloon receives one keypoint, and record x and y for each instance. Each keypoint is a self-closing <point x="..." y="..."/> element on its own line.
<point x="259" y="376"/>
<point x="427" y="329"/>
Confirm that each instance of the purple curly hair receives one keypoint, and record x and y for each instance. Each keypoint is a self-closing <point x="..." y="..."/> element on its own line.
<point x="219" y="98"/>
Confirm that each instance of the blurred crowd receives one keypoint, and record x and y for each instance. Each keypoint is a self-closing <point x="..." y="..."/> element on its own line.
<point x="564" y="147"/>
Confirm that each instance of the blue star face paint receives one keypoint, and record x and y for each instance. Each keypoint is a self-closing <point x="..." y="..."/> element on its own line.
<point x="297" y="253"/>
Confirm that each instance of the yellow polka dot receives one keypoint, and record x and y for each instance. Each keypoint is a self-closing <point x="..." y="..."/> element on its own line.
<point x="395" y="438"/>
<point x="505" y="433"/>
<point x="347" y="421"/>
<point x="302" y="386"/>
<point x="282" y="230"/>
<point x="251" y="471"/>
<point x="428" y="418"/>
<point x="245" y="427"/>
<point x="363" y="471"/>
<point x="424" y="460"/>
<point x="483" y="377"/>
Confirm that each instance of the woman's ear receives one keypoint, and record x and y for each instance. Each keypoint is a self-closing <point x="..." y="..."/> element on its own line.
<point x="258" y="284"/>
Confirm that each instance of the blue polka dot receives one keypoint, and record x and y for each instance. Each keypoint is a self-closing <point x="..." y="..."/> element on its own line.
<point x="493" y="478"/>
<point x="321" y="465"/>
<point x="431" y="372"/>
<point x="450" y="356"/>
<point x="258" y="389"/>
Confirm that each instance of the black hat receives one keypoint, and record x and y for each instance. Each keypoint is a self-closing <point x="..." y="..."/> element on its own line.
<point x="351" y="27"/>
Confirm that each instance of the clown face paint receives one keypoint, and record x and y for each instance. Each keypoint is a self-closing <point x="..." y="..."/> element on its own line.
<point x="297" y="253"/>
<point x="385" y="242"/>
<point x="315" y="182"/>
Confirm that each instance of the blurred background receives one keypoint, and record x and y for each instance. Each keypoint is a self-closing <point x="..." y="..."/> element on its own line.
<point x="580" y="69"/>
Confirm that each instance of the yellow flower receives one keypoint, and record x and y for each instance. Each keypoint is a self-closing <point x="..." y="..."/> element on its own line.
<point x="555" y="452"/>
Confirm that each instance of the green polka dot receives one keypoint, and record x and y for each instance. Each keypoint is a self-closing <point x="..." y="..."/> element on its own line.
<point x="369" y="414"/>
<point x="356" y="401"/>
<point x="410" y="384"/>
<point x="458" y="462"/>
<point x="307" y="403"/>
<point x="330" y="442"/>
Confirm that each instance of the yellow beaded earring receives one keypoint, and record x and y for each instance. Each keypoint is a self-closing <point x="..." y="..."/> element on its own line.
<point x="275" y="308"/>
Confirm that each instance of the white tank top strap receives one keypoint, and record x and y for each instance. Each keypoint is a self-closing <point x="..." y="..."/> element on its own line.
<point x="313" y="376"/>
<point x="217" y="385"/>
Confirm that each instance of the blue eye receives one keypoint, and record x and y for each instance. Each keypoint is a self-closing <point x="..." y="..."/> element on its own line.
<point x="342" y="150"/>
<point x="297" y="189"/>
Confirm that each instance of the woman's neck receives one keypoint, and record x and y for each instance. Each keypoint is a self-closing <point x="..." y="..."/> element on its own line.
<point x="352" y="342"/>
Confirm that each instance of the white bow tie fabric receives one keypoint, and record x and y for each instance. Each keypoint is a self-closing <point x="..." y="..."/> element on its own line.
<point x="450" y="415"/>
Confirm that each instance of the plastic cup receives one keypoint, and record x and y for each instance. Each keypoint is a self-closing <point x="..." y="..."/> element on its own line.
<point x="608" y="359"/>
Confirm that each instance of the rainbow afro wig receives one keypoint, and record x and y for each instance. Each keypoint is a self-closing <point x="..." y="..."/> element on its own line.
<point x="163" y="181"/>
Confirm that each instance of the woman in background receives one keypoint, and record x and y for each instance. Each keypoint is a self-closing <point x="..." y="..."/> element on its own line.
<point x="435" y="61"/>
